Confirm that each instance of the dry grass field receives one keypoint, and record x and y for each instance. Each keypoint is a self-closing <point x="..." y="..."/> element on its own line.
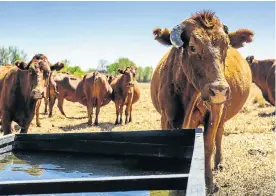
<point x="248" y="142"/>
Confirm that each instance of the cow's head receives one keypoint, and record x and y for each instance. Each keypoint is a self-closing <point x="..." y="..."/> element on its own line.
<point x="39" y="71"/>
<point x="128" y="76"/>
<point x="204" y="41"/>
<point x="20" y="64"/>
<point x="58" y="66"/>
<point x="110" y="78"/>
<point x="250" y="59"/>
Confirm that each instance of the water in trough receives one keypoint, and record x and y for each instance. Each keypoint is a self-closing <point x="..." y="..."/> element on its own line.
<point x="42" y="166"/>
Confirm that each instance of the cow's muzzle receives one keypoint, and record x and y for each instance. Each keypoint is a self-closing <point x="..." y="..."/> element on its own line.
<point x="37" y="94"/>
<point x="217" y="92"/>
<point x="131" y="84"/>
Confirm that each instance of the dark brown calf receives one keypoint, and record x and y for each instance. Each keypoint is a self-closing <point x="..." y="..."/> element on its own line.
<point x="94" y="91"/>
<point x="125" y="92"/>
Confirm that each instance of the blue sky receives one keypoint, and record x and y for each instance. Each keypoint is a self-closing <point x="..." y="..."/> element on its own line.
<point x="85" y="32"/>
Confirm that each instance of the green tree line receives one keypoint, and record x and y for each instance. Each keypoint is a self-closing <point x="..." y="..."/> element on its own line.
<point x="143" y="74"/>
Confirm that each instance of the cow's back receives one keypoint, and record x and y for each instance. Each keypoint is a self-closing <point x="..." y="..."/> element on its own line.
<point x="239" y="78"/>
<point x="160" y="78"/>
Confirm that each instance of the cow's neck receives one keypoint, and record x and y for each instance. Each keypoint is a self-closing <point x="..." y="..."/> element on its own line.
<point x="185" y="91"/>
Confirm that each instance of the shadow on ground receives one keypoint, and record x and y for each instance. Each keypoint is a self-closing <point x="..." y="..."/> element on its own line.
<point x="263" y="114"/>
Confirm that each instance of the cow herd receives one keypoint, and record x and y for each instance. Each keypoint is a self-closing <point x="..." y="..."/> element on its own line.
<point x="201" y="80"/>
<point x="24" y="85"/>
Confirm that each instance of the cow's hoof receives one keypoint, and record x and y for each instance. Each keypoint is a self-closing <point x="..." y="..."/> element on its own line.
<point x="38" y="125"/>
<point x="219" y="167"/>
<point x="96" y="124"/>
<point x="212" y="189"/>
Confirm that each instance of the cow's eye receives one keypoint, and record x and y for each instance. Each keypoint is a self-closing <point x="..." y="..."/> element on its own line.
<point x="192" y="48"/>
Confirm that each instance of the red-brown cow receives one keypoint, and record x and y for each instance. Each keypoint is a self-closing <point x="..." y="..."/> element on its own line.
<point x="263" y="75"/>
<point x="125" y="92"/>
<point x="20" y="91"/>
<point x="66" y="85"/>
<point x="203" y="68"/>
<point x="94" y="91"/>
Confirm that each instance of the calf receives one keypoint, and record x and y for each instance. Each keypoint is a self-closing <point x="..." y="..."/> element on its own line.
<point x="20" y="91"/>
<point x="125" y="92"/>
<point x="263" y="75"/>
<point x="66" y="85"/>
<point x="94" y="91"/>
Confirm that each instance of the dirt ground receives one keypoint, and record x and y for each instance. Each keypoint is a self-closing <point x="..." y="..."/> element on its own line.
<point x="248" y="142"/>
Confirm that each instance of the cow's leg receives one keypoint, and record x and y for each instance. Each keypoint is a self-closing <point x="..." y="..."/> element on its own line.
<point x="37" y="107"/>
<point x="117" y="112"/>
<point x="51" y="105"/>
<point x="97" y="112"/>
<point x="209" y="143"/>
<point x="60" y="105"/>
<point x="164" y="122"/>
<point x="6" y="123"/>
<point x="90" y="112"/>
<point x="121" y="113"/>
<point x="127" y="111"/>
<point x="12" y="126"/>
<point x="25" y="127"/>
<point x="130" y="113"/>
<point x="218" y="156"/>
<point x="46" y="105"/>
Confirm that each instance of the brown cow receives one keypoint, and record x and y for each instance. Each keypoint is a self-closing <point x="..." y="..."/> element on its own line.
<point x="66" y="85"/>
<point x="202" y="79"/>
<point x="57" y="66"/>
<point x="263" y="75"/>
<point x="125" y="92"/>
<point x="20" y="91"/>
<point x="94" y="91"/>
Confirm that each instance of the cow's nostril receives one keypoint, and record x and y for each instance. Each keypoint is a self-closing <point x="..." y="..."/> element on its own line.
<point x="212" y="93"/>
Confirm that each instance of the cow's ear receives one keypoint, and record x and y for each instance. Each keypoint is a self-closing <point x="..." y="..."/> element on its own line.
<point x="133" y="71"/>
<point x="58" y="66"/>
<point x="241" y="36"/>
<point x="162" y="36"/>
<point x="121" y="71"/>
<point x="249" y="59"/>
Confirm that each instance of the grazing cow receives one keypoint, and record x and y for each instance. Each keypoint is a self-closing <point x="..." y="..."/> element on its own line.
<point x="263" y="75"/>
<point x="202" y="79"/>
<point x="20" y="91"/>
<point x="66" y="85"/>
<point x="125" y="92"/>
<point x="94" y="91"/>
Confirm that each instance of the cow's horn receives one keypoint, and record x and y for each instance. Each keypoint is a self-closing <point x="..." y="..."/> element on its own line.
<point x="175" y="36"/>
